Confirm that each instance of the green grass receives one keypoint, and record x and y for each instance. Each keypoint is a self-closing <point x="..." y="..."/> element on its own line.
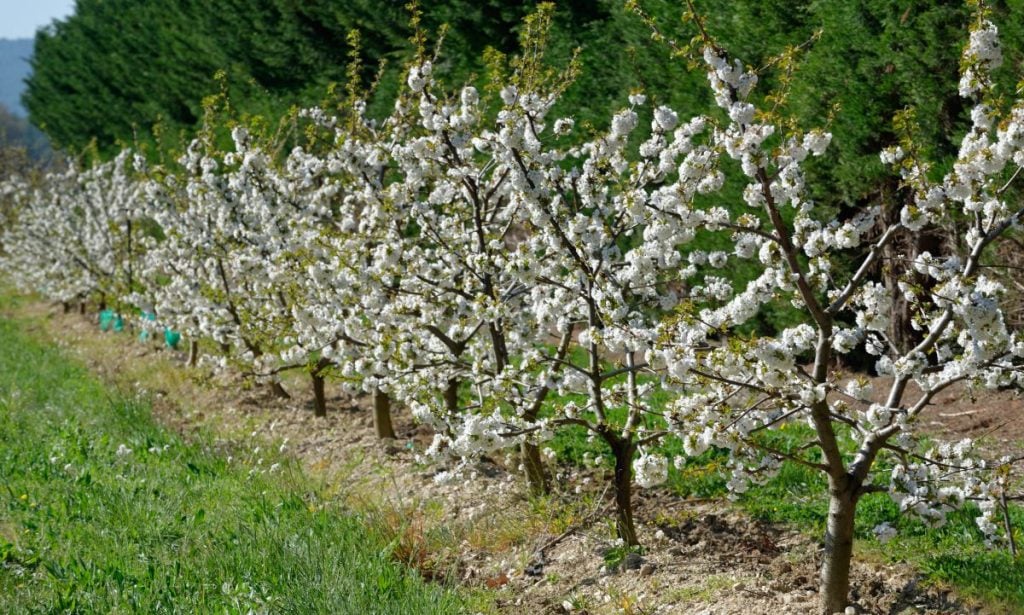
<point x="173" y="526"/>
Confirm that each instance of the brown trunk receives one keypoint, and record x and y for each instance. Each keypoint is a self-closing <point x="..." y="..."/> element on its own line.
<point x="278" y="391"/>
<point x="65" y="306"/>
<point x="536" y="479"/>
<point x="451" y="396"/>
<point x="382" y="415"/>
<point x="533" y="464"/>
<point x="905" y="248"/>
<point x="623" y="451"/>
<point x="835" y="566"/>
<point x="81" y="308"/>
<point x="319" y="397"/>
<point x="193" y="353"/>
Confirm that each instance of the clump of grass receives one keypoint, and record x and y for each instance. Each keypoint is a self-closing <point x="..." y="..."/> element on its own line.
<point x="103" y="511"/>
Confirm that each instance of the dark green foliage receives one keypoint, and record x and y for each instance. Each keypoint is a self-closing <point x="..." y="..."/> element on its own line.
<point x="116" y="68"/>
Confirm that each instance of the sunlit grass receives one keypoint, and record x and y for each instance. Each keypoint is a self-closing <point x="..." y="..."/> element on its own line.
<point x="103" y="511"/>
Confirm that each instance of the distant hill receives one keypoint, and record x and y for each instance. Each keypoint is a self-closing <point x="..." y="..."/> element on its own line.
<point x="14" y="67"/>
<point x="15" y="131"/>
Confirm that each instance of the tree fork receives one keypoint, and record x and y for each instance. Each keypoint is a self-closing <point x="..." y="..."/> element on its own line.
<point x="319" y="393"/>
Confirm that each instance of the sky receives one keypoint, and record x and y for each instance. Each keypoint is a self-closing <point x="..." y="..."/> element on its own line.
<point x="21" y="18"/>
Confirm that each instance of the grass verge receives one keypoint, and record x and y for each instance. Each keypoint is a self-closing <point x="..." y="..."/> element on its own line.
<point x="101" y="510"/>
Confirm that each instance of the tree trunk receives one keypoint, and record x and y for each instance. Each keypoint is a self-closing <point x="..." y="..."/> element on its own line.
<point x="319" y="397"/>
<point x="193" y="353"/>
<point x="278" y="391"/>
<point x="893" y="267"/>
<point x="533" y="464"/>
<point x="451" y="396"/>
<point x="536" y="479"/>
<point x="65" y="306"/>
<point x="835" y="567"/>
<point x="623" y="451"/>
<point x="382" y="415"/>
<point x="81" y="308"/>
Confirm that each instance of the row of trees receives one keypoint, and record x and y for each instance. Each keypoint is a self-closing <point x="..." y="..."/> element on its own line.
<point x="116" y="67"/>
<point x="119" y="72"/>
<point x="507" y="273"/>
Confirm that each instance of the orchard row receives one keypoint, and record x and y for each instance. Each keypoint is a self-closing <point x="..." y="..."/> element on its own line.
<point x="507" y="274"/>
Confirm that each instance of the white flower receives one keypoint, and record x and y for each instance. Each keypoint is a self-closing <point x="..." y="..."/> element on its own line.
<point x="665" y="118"/>
<point x="650" y="470"/>
<point x="509" y="94"/>
<point x="817" y="141"/>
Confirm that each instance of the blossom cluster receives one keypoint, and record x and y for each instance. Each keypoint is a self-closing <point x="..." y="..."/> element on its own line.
<point x="506" y="277"/>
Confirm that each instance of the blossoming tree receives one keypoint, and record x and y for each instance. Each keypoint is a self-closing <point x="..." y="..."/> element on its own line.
<point x="737" y="387"/>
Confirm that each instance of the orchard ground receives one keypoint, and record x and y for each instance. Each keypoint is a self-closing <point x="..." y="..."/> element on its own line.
<point x="556" y="554"/>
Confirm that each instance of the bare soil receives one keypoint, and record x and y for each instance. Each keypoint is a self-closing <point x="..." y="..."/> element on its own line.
<point x="702" y="557"/>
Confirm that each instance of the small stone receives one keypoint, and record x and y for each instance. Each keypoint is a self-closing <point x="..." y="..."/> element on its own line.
<point x="850" y="611"/>
<point x="738" y="587"/>
<point x="647" y="570"/>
